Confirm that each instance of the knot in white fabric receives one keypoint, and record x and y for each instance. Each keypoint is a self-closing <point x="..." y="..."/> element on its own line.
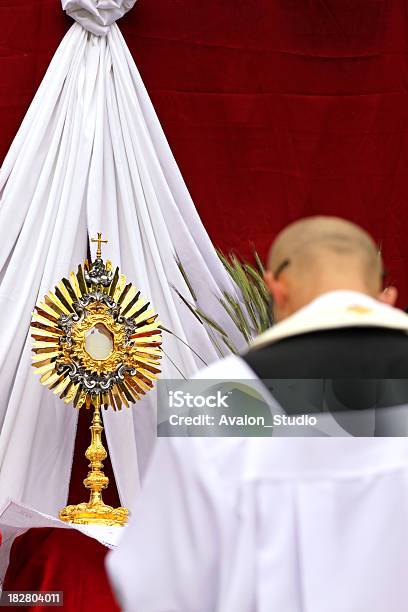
<point x="97" y="16"/>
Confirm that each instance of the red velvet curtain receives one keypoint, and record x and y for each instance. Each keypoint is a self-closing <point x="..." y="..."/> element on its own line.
<point x="61" y="560"/>
<point x="274" y="110"/>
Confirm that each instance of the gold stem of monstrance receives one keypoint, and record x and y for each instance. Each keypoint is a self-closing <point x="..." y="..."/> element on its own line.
<point x="96" y="344"/>
<point x="96" y="453"/>
<point x="95" y="511"/>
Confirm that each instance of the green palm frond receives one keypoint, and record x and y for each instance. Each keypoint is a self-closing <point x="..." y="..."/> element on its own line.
<point x="249" y="308"/>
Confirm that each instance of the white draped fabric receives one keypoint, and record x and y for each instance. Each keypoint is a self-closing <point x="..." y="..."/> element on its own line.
<point x="97" y="16"/>
<point x="91" y="156"/>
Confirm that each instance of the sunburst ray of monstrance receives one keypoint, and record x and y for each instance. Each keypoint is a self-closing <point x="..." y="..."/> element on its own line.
<point x="96" y="343"/>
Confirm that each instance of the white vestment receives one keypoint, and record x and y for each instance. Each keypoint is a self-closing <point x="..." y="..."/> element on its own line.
<point x="272" y="524"/>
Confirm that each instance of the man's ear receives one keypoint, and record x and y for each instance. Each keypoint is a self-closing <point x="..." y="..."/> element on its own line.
<point x="388" y="296"/>
<point x="276" y="288"/>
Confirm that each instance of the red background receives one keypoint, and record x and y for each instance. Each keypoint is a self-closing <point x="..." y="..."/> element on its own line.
<point x="274" y="109"/>
<point x="61" y="560"/>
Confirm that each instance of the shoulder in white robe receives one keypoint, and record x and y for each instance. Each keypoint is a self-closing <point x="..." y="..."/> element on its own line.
<point x="265" y="524"/>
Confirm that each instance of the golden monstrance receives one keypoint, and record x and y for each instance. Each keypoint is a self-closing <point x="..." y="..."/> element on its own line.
<point x="96" y="343"/>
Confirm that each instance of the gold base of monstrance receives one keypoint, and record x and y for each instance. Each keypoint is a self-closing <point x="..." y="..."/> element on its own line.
<point x="95" y="512"/>
<point x="96" y="344"/>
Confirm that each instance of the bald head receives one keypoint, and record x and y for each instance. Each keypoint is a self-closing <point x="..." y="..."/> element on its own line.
<point x="320" y="254"/>
<point x="327" y="243"/>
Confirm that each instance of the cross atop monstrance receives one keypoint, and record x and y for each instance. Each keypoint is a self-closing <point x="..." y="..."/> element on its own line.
<point x="99" y="241"/>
